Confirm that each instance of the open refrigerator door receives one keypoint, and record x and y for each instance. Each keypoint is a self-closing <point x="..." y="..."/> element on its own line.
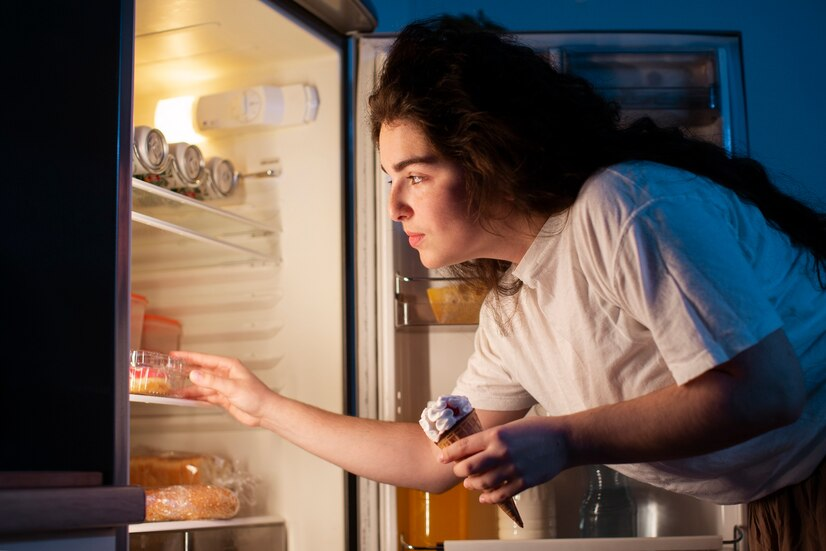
<point x="238" y="249"/>
<point x="424" y="326"/>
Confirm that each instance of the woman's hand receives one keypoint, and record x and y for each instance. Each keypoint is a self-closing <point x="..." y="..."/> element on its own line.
<point x="507" y="459"/>
<point x="228" y="383"/>
<point x="758" y="390"/>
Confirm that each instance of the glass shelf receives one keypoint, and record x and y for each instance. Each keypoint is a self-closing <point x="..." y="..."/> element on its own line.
<point x="174" y="525"/>
<point x="172" y="231"/>
<point x="435" y="301"/>
<point x="168" y="401"/>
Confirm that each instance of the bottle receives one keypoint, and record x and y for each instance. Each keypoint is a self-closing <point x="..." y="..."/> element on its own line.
<point x="426" y="519"/>
<point x="537" y="506"/>
<point x="607" y="510"/>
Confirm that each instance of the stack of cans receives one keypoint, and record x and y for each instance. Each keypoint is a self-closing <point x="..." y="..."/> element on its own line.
<point x="181" y="167"/>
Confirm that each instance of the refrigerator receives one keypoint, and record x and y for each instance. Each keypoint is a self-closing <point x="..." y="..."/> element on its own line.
<point x="297" y="271"/>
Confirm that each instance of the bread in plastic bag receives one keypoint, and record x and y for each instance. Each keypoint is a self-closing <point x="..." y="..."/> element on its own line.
<point x="152" y="468"/>
<point x="190" y="502"/>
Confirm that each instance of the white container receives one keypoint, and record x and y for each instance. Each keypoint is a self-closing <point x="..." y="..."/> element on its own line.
<point x="161" y="334"/>
<point x="257" y="107"/>
<point x="136" y="313"/>
<point x="537" y="508"/>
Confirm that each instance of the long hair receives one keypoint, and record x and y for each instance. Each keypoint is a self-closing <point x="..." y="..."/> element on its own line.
<point x="522" y="130"/>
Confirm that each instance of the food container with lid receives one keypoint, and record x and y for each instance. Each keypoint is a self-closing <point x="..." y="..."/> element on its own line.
<point x="136" y="313"/>
<point x="156" y="374"/>
<point x="161" y="334"/>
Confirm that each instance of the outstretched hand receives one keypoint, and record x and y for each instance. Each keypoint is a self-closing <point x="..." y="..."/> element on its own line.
<point x="507" y="459"/>
<point x="226" y="382"/>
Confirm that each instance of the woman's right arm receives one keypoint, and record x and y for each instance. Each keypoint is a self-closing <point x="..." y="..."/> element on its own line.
<point x="390" y="452"/>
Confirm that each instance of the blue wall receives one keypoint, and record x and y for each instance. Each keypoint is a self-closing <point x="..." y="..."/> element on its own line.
<point x="784" y="50"/>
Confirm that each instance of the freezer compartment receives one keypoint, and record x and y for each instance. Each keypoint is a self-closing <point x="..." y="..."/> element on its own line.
<point x="436" y="301"/>
<point x="270" y="537"/>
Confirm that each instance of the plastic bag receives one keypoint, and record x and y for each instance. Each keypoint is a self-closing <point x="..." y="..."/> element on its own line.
<point x="152" y="468"/>
<point x="190" y="502"/>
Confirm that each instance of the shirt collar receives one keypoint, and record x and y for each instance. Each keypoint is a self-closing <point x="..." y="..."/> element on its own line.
<point x="539" y="253"/>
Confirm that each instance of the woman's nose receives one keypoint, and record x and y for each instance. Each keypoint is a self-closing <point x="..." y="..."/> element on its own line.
<point x="396" y="205"/>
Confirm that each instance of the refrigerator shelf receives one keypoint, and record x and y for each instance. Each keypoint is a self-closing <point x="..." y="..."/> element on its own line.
<point x="167" y="401"/>
<point x="154" y="200"/>
<point x="172" y="231"/>
<point x="422" y="301"/>
<point x="178" y="525"/>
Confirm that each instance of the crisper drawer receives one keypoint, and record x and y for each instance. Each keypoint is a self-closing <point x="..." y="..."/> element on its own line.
<point x="232" y="538"/>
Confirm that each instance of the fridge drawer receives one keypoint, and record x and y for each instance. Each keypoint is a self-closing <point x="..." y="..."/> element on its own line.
<point x="232" y="538"/>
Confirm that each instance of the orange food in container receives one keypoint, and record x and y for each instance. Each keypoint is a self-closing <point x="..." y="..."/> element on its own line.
<point x="136" y="312"/>
<point x="156" y="374"/>
<point x="161" y="334"/>
<point x="456" y="304"/>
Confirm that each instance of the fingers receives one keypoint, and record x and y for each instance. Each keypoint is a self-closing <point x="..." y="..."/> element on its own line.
<point x="210" y="381"/>
<point x="194" y="392"/>
<point x="465" y="447"/>
<point x="503" y="480"/>
<point x="504" y="492"/>
<point x="208" y="361"/>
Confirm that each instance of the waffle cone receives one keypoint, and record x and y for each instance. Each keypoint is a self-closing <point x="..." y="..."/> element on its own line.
<point x="469" y="424"/>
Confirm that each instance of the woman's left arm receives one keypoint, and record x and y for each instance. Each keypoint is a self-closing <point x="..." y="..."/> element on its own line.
<point x="758" y="390"/>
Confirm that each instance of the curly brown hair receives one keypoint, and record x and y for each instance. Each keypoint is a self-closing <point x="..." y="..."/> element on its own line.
<point x="524" y="132"/>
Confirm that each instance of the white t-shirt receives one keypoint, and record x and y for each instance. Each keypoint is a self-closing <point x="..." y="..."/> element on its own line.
<point x="653" y="277"/>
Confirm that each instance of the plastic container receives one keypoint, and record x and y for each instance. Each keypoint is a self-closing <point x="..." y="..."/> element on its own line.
<point x="136" y="313"/>
<point x="161" y="334"/>
<point x="156" y="374"/>
<point x="436" y="301"/>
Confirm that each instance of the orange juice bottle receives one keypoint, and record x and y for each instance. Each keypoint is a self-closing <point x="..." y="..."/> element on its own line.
<point x="426" y="519"/>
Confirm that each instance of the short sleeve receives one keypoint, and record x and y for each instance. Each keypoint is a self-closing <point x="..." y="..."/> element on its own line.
<point x="673" y="263"/>
<point x="486" y="381"/>
<point x="680" y="271"/>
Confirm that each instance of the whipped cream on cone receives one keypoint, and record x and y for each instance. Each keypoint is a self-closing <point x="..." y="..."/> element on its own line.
<point x="442" y="414"/>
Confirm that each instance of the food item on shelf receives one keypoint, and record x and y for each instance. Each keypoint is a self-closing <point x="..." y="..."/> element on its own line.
<point x="171" y="469"/>
<point x="448" y="419"/>
<point x="456" y="304"/>
<point x="156" y="374"/>
<point x="190" y="502"/>
<point x="148" y="380"/>
<point x="137" y="309"/>
<point x="161" y="334"/>
<point x="153" y="468"/>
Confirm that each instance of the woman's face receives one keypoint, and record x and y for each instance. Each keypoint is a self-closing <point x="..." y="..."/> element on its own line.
<point x="427" y="196"/>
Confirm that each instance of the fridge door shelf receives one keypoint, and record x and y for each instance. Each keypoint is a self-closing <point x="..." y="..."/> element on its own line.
<point x="422" y="301"/>
<point x="172" y="231"/>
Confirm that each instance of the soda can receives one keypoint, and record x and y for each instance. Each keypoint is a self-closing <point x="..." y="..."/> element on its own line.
<point x="187" y="171"/>
<point x="223" y="178"/>
<point x="150" y="152"/>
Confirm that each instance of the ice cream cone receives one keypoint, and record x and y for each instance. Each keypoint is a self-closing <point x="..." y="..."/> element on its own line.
<point x="466" y="426"/>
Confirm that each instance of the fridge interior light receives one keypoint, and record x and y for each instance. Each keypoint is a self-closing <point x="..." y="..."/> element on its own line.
<point x="173" y="117"/>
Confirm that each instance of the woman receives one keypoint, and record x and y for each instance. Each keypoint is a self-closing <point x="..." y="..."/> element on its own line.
<point x="662" y="301"/>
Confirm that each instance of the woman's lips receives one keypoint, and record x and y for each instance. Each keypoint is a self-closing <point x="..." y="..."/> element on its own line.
<point x="414" y="239"/>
